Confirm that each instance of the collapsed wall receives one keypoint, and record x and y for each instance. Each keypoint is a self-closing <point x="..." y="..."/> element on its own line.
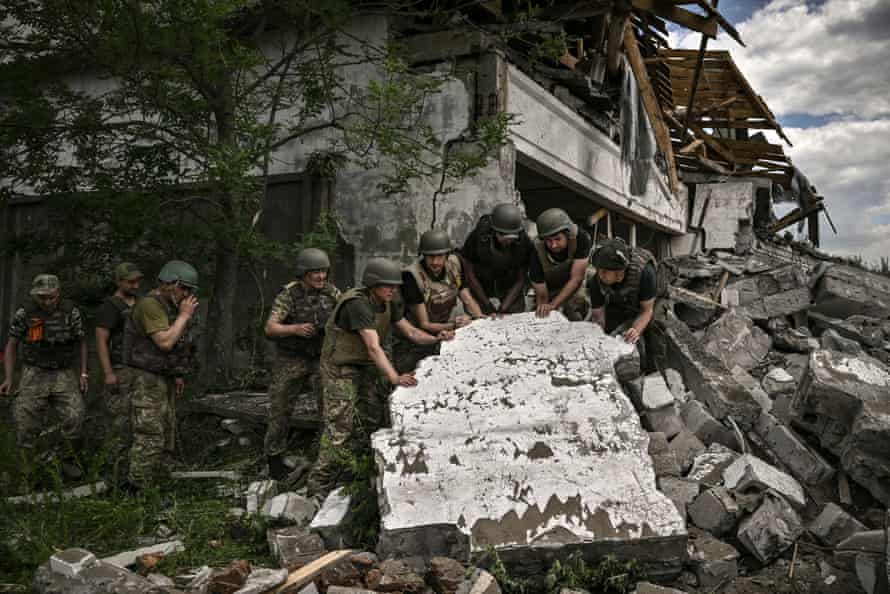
<point x="518" y="437"/>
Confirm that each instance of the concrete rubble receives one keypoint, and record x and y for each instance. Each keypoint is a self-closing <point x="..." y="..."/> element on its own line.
<point x="519" y="438"/>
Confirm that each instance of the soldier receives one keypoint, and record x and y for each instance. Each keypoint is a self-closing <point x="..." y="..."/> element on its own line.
<point x="110" y="320"/>
<point x="158" y="352"/>
<point x="622" y="293"/>
<point x="559" y="265"/>
<point x="431" y="287"/>
<point x="296" y="324"/>
<point x="352" y="363"/>
<point x="52" y="336"/>
<point x="495" y="258"/>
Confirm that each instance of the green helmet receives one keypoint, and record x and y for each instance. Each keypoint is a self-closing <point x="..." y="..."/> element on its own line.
<point x="506" y="219"/>
<point x="312" y="259"/>
<point x="177" y="271"/>
<point x="552" y="221"/>
<point x="381" y="271"/>
<point x="435" y="242"/>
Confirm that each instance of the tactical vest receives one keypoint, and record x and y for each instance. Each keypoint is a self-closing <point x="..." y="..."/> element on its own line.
<point x="141" y="352"/>
<point x="345" y="347"/>
<point x="557" y="274"/>
<point x="309" y="306"/>
<point x="50" y="342"/>
<point x="116" y="334"/>
<point x="439" y="295"/>
<point x="626" y="294"/>
<point x="495" y="264"/>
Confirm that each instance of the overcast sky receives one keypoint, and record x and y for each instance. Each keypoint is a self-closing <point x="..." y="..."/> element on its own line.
<point x="824" y="69"/>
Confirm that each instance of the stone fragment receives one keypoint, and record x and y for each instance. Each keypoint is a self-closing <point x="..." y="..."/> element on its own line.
<point x="98" y="578"/>
<point x="871" y="542"/>
<point x="737" y="341"/>
<point x="844" y="291"/>
<point x="803" y="461"/>
<point x="751" y="474"/>
<point x="686" y="446"/>
<point x="344" y="573"/>
<point x="128" y="558"/>
<point x="628" y="366"/>
<point x="843" y="400"/>
<point x="395" y="576"/>
<point x="714" y="562"/>
<point x="446" y="574"/>
<point x="479" y="582"/>
<point x="262" y="580"/>
<point x="650" y="588"/>
<point x="656" y="394"/>
<point x="675" y="383"/>
<point x="795" y="340"/>
<point x="289" y="508"/>
<point x="834" y="524"/>
<point x="708" y="429"/>
<point x="348" y="590"/>
<point x="294" y="546"/>
<point x="708" y="466"/>
<point x="834" y="341"/>
<point x="228" y="580"/>
<point x="312" y="589"/>
<point x="70" y="562"/>
<point x="234" y="426"/>
<point x="680" y="490"/>
<point x="870" y="571"/>
<point x="753" y="387"/>
<point x="715" y="510"/>
<point x="770" y="530"/>
<point x="664" y="420"/>
<point x="330" y="521"/>
<point x="664" y="460"/>
<point x="258" y="493"/>
<point x="161" y="581"/>
<point x="778" y="381"/>
<point x="773" y="293"/>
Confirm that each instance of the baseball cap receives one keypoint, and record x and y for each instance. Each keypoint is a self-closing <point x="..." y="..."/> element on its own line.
<point x="613" y="255"/>
<point x="127" y="271"/>
<point x="45" y="284"/>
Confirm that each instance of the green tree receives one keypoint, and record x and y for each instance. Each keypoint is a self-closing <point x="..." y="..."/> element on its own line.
<point x="143" y="108"/>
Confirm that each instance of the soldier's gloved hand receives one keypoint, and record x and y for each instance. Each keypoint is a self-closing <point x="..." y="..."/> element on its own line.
<point x="543" y="310"/>
<point x="406" y="379"/>
<point x="445" y="335"/>
<point x="304" y="330"/>
<point x="188" y="306"/>
<point x="5" y="387"/>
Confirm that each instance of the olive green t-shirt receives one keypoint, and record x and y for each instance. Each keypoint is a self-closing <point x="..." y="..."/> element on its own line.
<point x="149" y="317"/>
<point x="358" y="314"/>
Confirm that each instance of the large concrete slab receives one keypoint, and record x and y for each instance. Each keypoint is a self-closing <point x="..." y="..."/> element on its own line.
<point x="519" y="437"/>
<point x="844" y="291"/>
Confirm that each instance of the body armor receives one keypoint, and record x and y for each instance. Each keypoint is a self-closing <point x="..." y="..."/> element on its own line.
<point x="344" y="347"/>
<point x="50" y="343"/>
<point x="141" y="352"/>
<point x="116" y="334"/>
<point x="626" y="295"/>
<point x="309" y="306"/>
<point x="439" y="295"/>
<point x="557" y="274"/>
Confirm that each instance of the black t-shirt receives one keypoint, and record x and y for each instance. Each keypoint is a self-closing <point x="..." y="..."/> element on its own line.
<point x="520" y="250"/>
<point x="110" y="317"/>
<point x="536" y="270"/>
<point x="647" y="291"/>
<point x="357" y="314"/>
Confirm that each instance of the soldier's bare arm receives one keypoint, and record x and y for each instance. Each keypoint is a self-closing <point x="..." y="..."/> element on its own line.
<point x="633" y="334"/>
<point x="579" y="267"/>
<point x="515" y="291"/>
<point x="84" y="360"/>
<point x="423" y="320"/>
<point x="102" y="338"/>
<point x="378" y="356"/>
<point x="8" y="364"/>
<point x="275" y="329"/>
<point x="418" y="336"/>
<point x="470" y="304"/>
<point x="475" y="286"/>
<point x="166" y="339"/>
<point x="542" y="300"/>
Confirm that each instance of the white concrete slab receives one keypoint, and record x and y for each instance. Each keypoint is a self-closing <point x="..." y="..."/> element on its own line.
<point x="518" y="436"/>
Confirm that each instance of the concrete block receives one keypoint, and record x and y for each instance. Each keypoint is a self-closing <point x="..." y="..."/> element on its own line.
<point x="777" y="381"/>
<point x="834" y="525"/>
<point x="751" y="474"/>
<point x="656" y="394"/>
<point x="479" y="582"/>
<point x="870" y="542"/>
<point x="289" y="508"/>
<point x="715" y="510"/>
<point x="676" y="385"/>
<point x="70" y="562"/>
<point x="664" y="460"/>
<point x="294" y="546"/>
<point x="753" y="387"/>
<point x="708" y="429"/>
<point x="650" y="588"/>
<point x="770" y="530"/>
<point x="258" y="493"/>
<point x="97" y="578"/>
<point x="686" y="446"/>
<point x="737" y="341"/>
<point x="708" y="466"/>
<point x="446" y="574"/>
<point x="128" y="558"/>
<point x="795" y="340"/>
<point x="516" y="438"/>
<point x="804" y="462"/>
<point x="680" y="490"/>
<point x="833" y="341"/>
<point x="844" y="291"/>
<point x="330" y="521"/>
<point x="664" y="420"/>
<point x="262" y="580"/>
<point x="772" y="293"/>
<point x="714" y="562"/>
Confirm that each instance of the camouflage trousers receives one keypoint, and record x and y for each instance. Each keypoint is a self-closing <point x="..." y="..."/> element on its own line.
<point x="117" y="404"/>
<point x="291" y="377"/>
<point x="153" y="422"/>
<point x="41" y="391"/>
<point x="407" y="355"/>
<point x="354" y="407"/>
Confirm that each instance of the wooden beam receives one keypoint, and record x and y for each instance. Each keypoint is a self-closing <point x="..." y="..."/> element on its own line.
<point x="798" y="214"/>
<point x="617" y="25"/>
<point x="690" y="148"/>
<point x="302" y="576"/>
<point x="597" y="216"/>
<point x="690" y="20"/>
<point x="650" y="103"/>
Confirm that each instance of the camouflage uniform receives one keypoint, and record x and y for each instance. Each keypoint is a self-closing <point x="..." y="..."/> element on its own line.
<point x="50" y="348"/>
<point x="296" y="366"/>
<point x="353" y="390"/>
<point x="150" y="375"/>
<point x="116" y="398"/>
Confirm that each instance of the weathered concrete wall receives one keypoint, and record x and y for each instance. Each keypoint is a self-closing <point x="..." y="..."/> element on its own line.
<point x="519" y="437"/>
<point x="554" y="140"/>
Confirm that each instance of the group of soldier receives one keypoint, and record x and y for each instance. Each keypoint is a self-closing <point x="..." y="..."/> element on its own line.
<point x="349" y="349"/>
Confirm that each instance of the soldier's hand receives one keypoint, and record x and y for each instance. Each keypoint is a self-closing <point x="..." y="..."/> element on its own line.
<point x="188" y="306"/>
<point x="461" y="321"/>
<point x="84" y="383"/>
<point x="110" y="379"/>
<point x="631" y="335"/>
<point x="178" y="386"/>
<point x="304" y="330"/>
<point x="543" y="310"/>
<point x="4" y="387"/>
<point x="445" y="335"/>
<point x="406" y="379"/>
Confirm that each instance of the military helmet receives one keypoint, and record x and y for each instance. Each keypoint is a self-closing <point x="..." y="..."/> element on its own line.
<point x="381" y="271"/>
<point x="614" y="254"/>
<point x="434" y="242"/>
<point x="552" y="221"/>
<point x="177" y="271"/>
<point x="506" y="219"/>
<point x="45" y="284"/>
<point x="312" y="259"/>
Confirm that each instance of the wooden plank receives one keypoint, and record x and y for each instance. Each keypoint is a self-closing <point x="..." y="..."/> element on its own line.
<point x="759" y="101"/>
<point x="597" y="216"/>
<point x="617" y="26"/>
<point x="650" y="104"/>
<point x="302" y="576"/>
<point x="689" y="148"/>
<point x="692" y="298"/>
<point x="690" y="20"/>
<point x="798" y="214"/>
